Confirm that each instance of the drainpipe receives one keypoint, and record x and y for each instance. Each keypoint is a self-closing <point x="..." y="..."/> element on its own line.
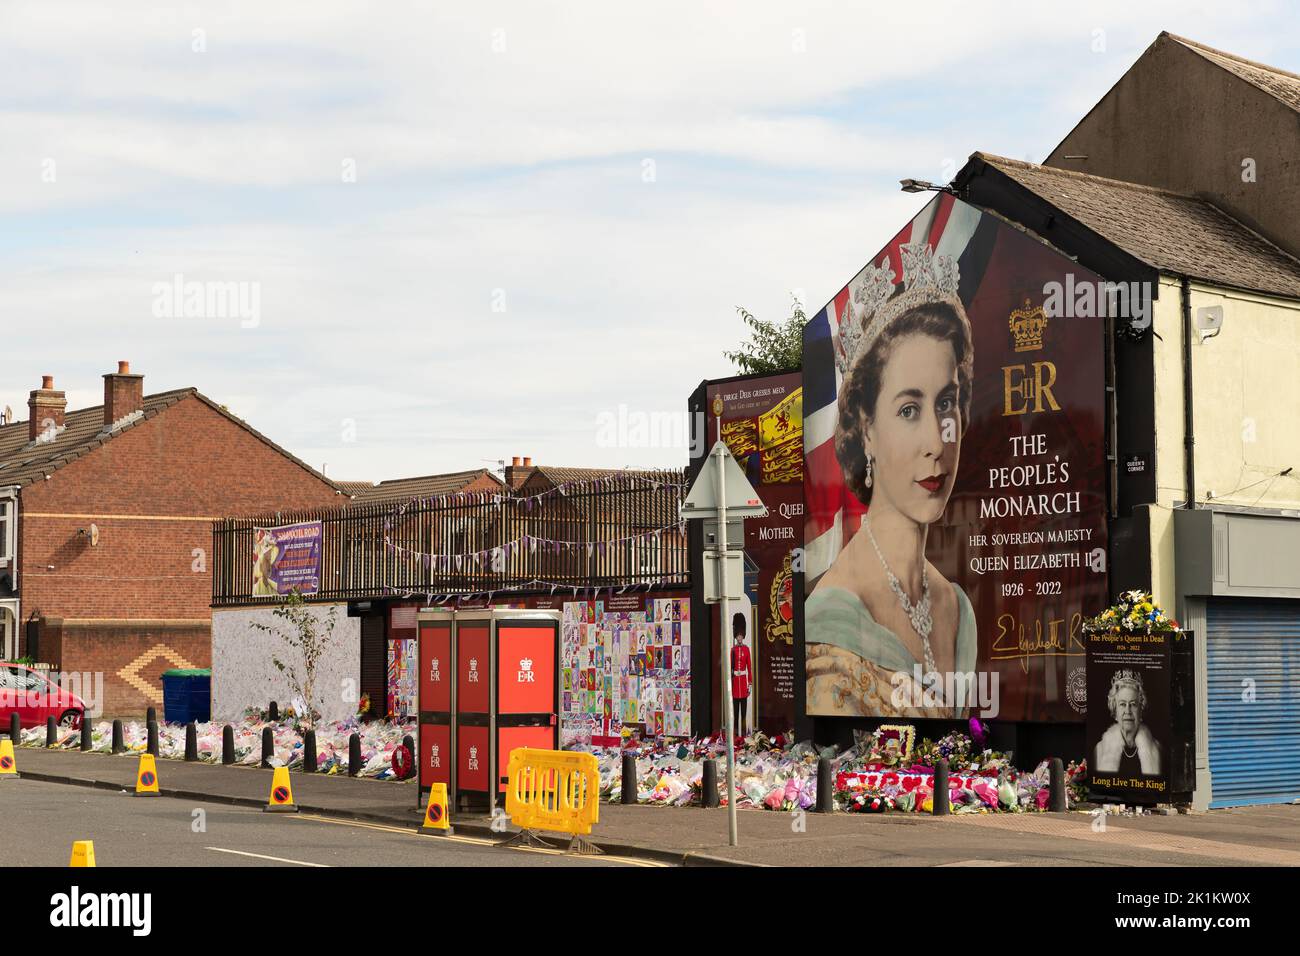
<point x="1204" y="782"/>
<point x="1189" y="430"/>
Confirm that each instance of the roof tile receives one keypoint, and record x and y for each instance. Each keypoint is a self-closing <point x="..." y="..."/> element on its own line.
<point x="1169" y="231"/>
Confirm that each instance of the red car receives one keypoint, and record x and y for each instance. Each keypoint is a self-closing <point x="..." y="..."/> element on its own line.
<point x="34" y="698"/>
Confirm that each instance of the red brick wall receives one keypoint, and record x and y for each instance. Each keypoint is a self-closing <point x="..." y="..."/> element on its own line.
<point x="189" y="463"/>
<point x="153" y="492"/>
<point x="131" y="655"/>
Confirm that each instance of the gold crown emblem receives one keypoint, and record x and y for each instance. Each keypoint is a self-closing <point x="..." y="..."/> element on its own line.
<point x="1027" y="326"/>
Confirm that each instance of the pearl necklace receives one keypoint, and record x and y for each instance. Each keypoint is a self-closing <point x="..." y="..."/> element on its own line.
<point x="919" y="613"/>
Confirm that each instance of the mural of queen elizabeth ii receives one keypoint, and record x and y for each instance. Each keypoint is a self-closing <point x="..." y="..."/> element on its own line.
<point x="881" y="610"/>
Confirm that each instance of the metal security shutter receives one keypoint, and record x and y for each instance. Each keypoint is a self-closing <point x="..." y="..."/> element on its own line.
<point x="1253" y="743"/>
<point x="374" y="662"/>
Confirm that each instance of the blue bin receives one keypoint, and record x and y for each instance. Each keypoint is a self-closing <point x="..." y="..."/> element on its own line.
<point x="187" y="695"/>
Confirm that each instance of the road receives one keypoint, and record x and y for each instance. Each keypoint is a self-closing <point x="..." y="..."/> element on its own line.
<point x="40" y="821"/>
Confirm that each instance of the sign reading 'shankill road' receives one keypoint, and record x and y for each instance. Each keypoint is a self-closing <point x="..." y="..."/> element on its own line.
<point x="954" y="479"/>
<point x="287" y="559"/>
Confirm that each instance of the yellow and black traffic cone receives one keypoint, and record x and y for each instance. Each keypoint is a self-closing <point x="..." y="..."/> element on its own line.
<point x="8" y="766"/>
<point x="281" y="793"/>
<point x="437" y="821"/>
<point x="83" y="853"/>
<point x="146" y="777"/>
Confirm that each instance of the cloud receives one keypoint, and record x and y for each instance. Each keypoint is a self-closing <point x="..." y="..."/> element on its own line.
<point x="556" y="208"/>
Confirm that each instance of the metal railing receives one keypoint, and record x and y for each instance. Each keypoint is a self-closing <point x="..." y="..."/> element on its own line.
<point x="619" y="531"/>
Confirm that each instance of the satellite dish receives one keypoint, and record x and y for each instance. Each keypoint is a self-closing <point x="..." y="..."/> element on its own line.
<point x="94" y="535"/>
<point x="1209" y="321"/>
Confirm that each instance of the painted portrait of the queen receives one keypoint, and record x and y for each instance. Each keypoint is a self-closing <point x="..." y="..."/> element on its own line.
<point x="881" y="611"/>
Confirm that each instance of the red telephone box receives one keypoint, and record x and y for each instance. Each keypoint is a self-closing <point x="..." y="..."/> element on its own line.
<point x="489" y="683"/>
<point x="434" y="701"/>
<point x="527" y="687"/>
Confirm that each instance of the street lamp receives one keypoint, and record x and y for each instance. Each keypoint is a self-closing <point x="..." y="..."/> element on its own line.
<point x="920" y="186"/>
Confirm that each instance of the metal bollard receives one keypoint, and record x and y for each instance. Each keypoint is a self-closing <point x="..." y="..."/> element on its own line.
<point x="153" y="737"/>
<point x="1056" y="787"/>
<point x="825" y="786"/>
<point x="85" y="732"/>
<point x="354" y="755"/>
<point x="191" y="742"/>
<point x="227" y="744"/>
<point x="629" y="778"/>
<point x="15" y="728"/>
<point x="151" y="714"/>
<point x="941" y="787"/>
<point x="119" y="737"/>
<point x="710" y="783"/>
<point x="273" y="712"/>
<point x="309" y="751"/>
<point x="268" y="747"/>
<point x="409" y="744"/>
<point x="51" y="734"/>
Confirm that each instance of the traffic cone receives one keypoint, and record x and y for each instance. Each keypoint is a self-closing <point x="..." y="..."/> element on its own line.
<point x="83" y="853"/>
<point x="281" y="793"/>
<point x="437" y="821"/>
<point x="8" y="767"/>
<point x="146" y="778"/>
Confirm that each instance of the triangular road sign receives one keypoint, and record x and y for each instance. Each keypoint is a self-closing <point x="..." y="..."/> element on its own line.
<point x="742" y="500"/>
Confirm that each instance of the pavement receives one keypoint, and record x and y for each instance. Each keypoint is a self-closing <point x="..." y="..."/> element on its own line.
<point x="1246" y="836"/>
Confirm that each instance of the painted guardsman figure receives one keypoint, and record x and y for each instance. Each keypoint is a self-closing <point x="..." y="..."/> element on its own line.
<point x="741" y="675"/>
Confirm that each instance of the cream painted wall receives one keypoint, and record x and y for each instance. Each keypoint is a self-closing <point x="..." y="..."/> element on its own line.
<point x="244" y="676"/>
<point x="1246" y="410"/>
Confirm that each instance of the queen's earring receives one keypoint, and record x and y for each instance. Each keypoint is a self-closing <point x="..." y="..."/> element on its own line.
<point x="866" y="480"/>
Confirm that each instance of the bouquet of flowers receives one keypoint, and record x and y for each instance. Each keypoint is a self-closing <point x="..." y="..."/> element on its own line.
<point x="1136" y="613"/>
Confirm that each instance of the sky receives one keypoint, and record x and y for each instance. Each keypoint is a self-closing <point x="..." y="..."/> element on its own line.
<point x="454" y="233"/>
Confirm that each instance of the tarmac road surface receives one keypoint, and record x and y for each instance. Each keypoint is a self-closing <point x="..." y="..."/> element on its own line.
<point x="40" y="821"/>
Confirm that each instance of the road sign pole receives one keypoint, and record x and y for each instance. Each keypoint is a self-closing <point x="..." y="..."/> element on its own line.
<point x="707" y="500"/>
<point x="728" y="716"/>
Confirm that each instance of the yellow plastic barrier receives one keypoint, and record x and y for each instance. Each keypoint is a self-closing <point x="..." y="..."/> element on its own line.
<point x="554" y="790"/>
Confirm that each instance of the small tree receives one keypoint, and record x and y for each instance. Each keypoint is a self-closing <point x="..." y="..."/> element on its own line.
<point x="310" y="636"/>
<point x="773" y="347"/>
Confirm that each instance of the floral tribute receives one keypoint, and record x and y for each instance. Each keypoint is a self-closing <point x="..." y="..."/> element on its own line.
<point x="1136" y="613"/>
<point x="883" y="772"/>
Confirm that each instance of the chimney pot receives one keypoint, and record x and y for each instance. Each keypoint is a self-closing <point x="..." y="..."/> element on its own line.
<point x="46" y="407"/>
<point x="528" y="463"/>
<point x="515" y="463"/>
<point x="123" y="393"/>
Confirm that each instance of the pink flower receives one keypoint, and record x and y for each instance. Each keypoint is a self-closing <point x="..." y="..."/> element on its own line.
<point x="1041" y="797"/>
<point x="987" y="794"/>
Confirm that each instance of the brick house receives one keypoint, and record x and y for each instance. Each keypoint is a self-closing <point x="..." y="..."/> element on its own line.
<point x="106" y="528"/>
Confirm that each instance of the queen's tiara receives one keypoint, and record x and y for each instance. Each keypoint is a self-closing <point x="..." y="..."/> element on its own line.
<point x="872" y="303"/>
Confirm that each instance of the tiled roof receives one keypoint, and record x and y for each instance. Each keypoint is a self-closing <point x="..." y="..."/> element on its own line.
<point x="355" y="487"/>
<point x="639" y="506"/>
<point x="404" y="489"/>
<point x="1168" y="231"/>
<point x="1277" y="83"/>
<point x="23" y="462"/>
